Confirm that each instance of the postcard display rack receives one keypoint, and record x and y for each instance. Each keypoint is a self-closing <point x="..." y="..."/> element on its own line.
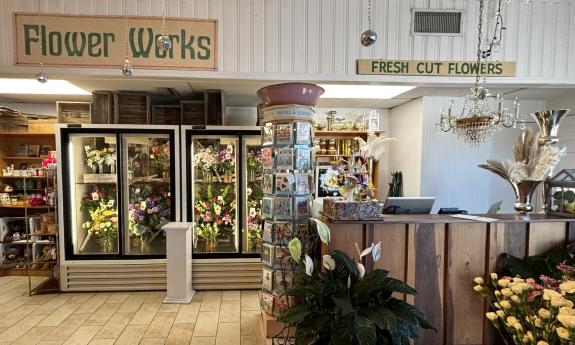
<point x="287" y="150"/>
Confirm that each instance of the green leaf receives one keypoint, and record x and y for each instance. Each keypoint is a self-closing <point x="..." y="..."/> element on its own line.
<point x="347" y="262"/>
<point x="397" y="286"/>
<point x="384" y="319"/>
<point x="295" y="314"/>
<point x="295" y="249"/>
<point x="518" y="266"/>
<point x="365" y="330"/>
<point x="322" y="230"/>
<point x="305" y="336"/>
<point x="343" y="303"/>
<point x="408" y="313"/>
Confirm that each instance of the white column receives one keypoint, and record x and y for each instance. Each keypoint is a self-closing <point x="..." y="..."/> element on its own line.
<point x="179" y="262"/>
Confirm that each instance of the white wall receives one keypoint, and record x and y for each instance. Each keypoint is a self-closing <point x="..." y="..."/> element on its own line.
<point x="566" y="129"/>
<point x="319" y="39"/>
<point x="449" y="165"/>
<point x="406" y="152"/>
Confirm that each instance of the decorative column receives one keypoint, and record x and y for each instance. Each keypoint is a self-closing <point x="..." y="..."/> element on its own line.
<point x="287" y="160"/>
<point x="179" y="262"/>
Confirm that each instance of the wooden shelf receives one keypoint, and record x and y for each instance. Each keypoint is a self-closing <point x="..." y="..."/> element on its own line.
<point x="328" y="155"/>
<point x="345" y="133"/>
<point x="25" y="134"/>
<point x="25" y="177"/>
<point x="32" y="207"/>
<point x="23" y="158"/>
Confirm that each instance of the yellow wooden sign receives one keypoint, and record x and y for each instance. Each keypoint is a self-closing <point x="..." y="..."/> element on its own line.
<point x="100" y="41"/>
<point x="439" y="68"/>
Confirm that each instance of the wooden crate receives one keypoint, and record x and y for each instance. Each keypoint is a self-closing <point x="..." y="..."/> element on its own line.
<point x="193" y="113"/>
<point x="74" y="112"/>
<point x="166" y="115"/>
<point x="132" y="108"/>
<point x="214" y="107"/>
<point x="102" y="107"/>
<point x="42" y="126"/>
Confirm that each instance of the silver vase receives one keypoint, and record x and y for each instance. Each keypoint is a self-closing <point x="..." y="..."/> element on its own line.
<point x="523" y="195"/>
<point x="548" y="122"/>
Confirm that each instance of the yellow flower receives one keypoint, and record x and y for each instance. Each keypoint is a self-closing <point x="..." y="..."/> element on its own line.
<point x="538" y="323"/>
<point x="541" y="342"/>
<point x="544" y="313"/>
<point x="493" y="275"/>
<point x="515" y="299"/>
<point x="512" y="320"/>
<point x="491" y="316"/>
<point x="567" y="320"/>
<point x="497" y="305"/>
<point x="518" y="280"/>
<point x="503" y="282"/>
<point x="478" y="288"/>
<point x="505" y="305"/>
<point x="478" y="280"/>
<point x="517" y="326"/>
<point x="566" y="311"/>
<point x="568" y="287"/>
<point x="507" y="292"/>
<point x="530" y="336"/>
<point x="497" y="293"/>
<point x="549" y="294"/>
<point x="501" y="314"/>
<point x="559" y="302"/>
<point x="563" y="333"/>
<point x="519" y="288"/>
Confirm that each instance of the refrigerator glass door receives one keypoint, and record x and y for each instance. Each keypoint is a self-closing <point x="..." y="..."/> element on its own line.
<point x="146" y="192"/>
<point x="93" y="185"/>
<point x="253" y="194"/>
<point x="215" y="193"/>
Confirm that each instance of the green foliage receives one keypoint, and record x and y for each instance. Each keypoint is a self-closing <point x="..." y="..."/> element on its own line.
<point x="536" y="265"/>
<point x="365" y="313"/>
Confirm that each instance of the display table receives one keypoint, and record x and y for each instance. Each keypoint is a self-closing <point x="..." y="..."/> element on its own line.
<point x="440" y="255"/>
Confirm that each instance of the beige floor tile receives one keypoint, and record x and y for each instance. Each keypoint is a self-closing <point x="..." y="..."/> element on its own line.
<point x="169" y="308"/>
<point x="13" y="304"/>
<point x="207" y="324"/>
<point x="228" y="334"/>
<point x="250" y="300"/>
<point x="52" y="305"/>
<point x="59" y="315"/>
<point x="137" y="297"/>
<point x="102" y="315"/>
<point x="153" y="341"/>
<point x="161" y="325"/>
<point x="34" y="335"/>
<point x="80" y="298"/>
<point x="230" y="311"/>
<point x="203" y="341"/>
<point x="188" y="313"/>
<point x="83" y="335"/>
<point x="22" y="327"/>
<point x="118" y="297"/>
<point x="231" y="295"/>
<point x="102" y="342"/>
<point x="252" y="340"/>
<point x="180" y="334"/>
<point x="132" y="335"/>
<point x="155" y="297"/>
<point x="15" y="316"/>
<point x="198" y="296"/>
<point x="67" y="327"/>
<point x="251" y="322"/>
<point x="115" y="326"/>
<point x="129" y="307"/>
<point x="51" y="342"/>
<point x="40" y="299"/>
<point x="145" y="314"/>
<point x="212" y="301"/>
<point x="90" y="306"/>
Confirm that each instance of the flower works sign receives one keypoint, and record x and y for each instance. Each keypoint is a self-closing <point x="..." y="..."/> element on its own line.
<point x="440" y="68"/>
<point x="100" y="41"/>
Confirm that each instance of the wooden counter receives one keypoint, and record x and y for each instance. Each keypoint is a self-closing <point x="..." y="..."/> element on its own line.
<point x="440" y="255"/>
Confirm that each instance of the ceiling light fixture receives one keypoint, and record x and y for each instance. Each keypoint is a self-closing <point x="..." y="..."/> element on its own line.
<point x="363" y="91"/>
<point x="31" y="87"/>
<point x="368" y="37"/>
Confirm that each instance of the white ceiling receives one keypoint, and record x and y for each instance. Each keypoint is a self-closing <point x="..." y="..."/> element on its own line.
<point x="242" y="93"/>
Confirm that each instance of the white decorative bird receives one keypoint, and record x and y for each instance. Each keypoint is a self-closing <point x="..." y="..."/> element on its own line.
<point x="374" y="147"/>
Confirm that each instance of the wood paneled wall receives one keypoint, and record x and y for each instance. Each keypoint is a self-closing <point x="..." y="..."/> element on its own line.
<point x="440" y="261"/>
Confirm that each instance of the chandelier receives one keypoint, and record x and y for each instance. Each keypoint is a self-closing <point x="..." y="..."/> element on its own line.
<point x="477" y="121"/>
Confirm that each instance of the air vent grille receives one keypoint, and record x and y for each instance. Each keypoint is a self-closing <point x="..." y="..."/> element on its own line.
<point x="437" y="22"/>
<point x="168" y="91"/>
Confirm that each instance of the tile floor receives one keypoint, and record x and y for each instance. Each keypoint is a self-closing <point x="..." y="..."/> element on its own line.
<point x="213" y="318"/>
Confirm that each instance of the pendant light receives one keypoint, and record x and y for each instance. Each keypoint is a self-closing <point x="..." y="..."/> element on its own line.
<point x="42" y="76"/>
<point x="368" y="37"/>
<point x="163" y="42"/>
<point x="127" y="68"/>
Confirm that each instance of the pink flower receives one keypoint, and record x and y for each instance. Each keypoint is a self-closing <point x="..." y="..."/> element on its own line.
<point x="565" y="268"/>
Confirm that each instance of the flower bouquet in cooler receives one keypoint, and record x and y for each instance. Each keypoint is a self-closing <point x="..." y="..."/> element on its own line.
<point x="227" y="162"/>
<point x="147" y="215"/>
<point x="102" y="224"/>
<point x="254" y="164"/>
<point x="255" y="220"/>
<point x="215" y="214"/>
<point x="96" y="158"/>
<point x="531" y="312"/>
<point x="160" y="158"/>
<point x="205" y="159"/>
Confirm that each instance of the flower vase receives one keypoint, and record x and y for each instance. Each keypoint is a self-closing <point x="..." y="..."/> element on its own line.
<point x="256" y="244"/>
<point x="100" y="168"/>
<point x="144" y="245"/>
<point x="227" y="177"/>
<point x="251" y="175"/>
<point x="166" y="174"/>
<point x="210" y="246"/>
<point x="112" y="168"/>
<point x="107" y="245"/>
<point x="523" y="195"/>
<point x="208" y="176"/>
<point x="94" y="169"/>
<point x="548" y="122"/>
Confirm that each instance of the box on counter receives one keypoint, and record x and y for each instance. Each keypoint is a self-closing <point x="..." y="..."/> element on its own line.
<point x="341" y="209"/>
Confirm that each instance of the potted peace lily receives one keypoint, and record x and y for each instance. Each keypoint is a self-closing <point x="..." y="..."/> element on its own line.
<point x="344" y="304"/>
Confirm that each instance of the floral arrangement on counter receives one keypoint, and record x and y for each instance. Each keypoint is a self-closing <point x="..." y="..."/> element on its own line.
<point x="103" y="216"/>
<point x="529" y="312"/>
<point x="255" y="220"/>
<point x="215" y="214"/>
<point x="352" y="179"/>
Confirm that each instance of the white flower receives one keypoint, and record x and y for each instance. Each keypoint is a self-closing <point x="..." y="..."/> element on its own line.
<point x="518" y="280"/>
<point x="503" y="282"/>
<point x="563" y="333"/>
<point x="478" y="288"/>
<point x="544" y="313"/>
<point x="376" y="252"/>
<point x="530" y="336"/>
<point x="559" y="302"/>
<point x="491" y="316"/>
<point x="567" y="320"/>
<point x="497" y="305"/>
<point x="493" y="275"/>
<point x="361" y="269"/>
<point x="328" y="262"/>
<point x="497" y="293"/>
<point x="538" y="323"/>
<point x="308" y="265"/>
<point x="517" y="326"/>
<point x="478" y="280"/>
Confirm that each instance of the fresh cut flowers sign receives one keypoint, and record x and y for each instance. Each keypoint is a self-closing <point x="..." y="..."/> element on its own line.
<point x="100" y="41"/>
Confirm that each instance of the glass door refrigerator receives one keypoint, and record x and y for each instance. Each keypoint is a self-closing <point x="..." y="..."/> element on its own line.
<point x="119" y="187"/>
<point x="222" y="188"/>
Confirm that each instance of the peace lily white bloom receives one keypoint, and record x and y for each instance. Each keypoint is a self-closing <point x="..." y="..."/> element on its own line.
<point x="328" y="262"/>
<point x="376" y="252"/>
<point x="362" y="253"/>
<point x="491" y="316"/>
<point x="308" y="265"/>
<point x="361" y="269"/>
<point x="478" y="280"/>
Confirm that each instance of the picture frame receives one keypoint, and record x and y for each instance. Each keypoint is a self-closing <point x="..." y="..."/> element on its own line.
<point x="267" y="135"/>
<point x="267" y="254"/>
<point x="282" y="208"/>
<point x="267" y="303"/>
<point x="5" y="199"/>
<point x="268" y="183"/>
<point x="322" y="187"/>
<point x="268" y="207"/>
<point x="23" y="166"/>
<point x="302" y="183"/>
<point x="303" y="133"/>
<point x="283" y="232"/>
<point x="284" y="158"/>
<point x="301" y="207"/>
<point x="21" y="150"/>
<point x="283" y="134"/>
<point x="303" y="159"/>
<point x="268" y="232"/>
<point x="45" y="151"/>
<point x="33" y="150"/>
<point x="267" y="158"/>
<point x="267" y="278"/>
<point x="284" y="183"/>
